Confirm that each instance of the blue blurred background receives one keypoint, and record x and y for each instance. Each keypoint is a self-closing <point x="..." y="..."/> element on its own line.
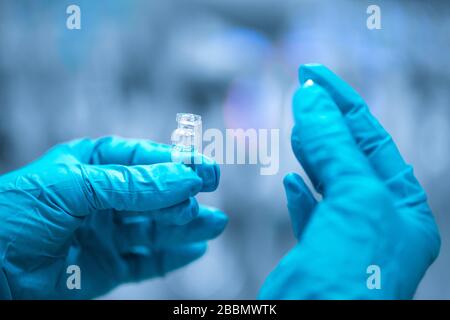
<point x="136" y="63"/>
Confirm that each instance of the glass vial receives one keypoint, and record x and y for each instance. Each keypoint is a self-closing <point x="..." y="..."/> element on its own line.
<point x="187" y="137"/>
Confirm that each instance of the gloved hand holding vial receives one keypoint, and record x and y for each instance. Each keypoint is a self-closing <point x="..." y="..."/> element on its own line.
<point x="118" y="209"/>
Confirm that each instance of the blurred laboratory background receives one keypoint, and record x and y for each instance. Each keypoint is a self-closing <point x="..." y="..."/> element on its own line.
<point x="136" y="63"/>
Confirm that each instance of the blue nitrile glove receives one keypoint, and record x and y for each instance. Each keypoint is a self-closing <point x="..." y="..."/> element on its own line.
<point x="118" y="209"/>
<point x="373" y="211"/>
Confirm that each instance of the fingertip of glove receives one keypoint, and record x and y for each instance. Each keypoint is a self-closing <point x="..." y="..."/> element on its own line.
<point x="312" y="99"/>
<point x="216" y="168"/>
<point x="198" y="249"/>
<point x="215" y="218"/>
<point x="309" y="71"/>
<point x="290" y="182"/>
<point x="221" y="219"/>
<point x="209" y="172"/>
<point x="304" y="98"/>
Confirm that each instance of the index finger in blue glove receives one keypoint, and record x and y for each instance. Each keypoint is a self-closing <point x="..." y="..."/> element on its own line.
<point x="323" y="144"/>
<point x="368" y="133"/>
<point x="133" y="188"/>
